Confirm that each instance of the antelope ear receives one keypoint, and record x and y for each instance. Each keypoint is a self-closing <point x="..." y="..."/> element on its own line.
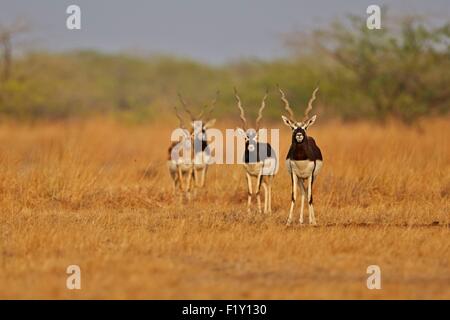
<point x="186" y="133"/>
<point x="241" y="132"/>
<point x="209" y="124"/>
<point x="288" y="122"/>
<point x="310" y="122"/>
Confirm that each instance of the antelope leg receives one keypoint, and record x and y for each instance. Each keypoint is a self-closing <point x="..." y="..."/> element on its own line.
<point x="293" y="196"/>
<point x="249" y="193"/>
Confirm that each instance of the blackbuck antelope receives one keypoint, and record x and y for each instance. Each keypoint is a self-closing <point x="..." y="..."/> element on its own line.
<point x="179" y="163"/>
<point x="304" y="159"/>
<point x="201" y="155"/>
<point x="259" y="159"/>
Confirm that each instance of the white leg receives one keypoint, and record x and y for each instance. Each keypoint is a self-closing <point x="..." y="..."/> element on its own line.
<point x="258" y="187"/>
<point x="302" y="187"/>
<point x="249" y="193"/>
<point x="202" y="183"/>
<point x="269" y="191"/>
<point x="270" y="195"/>
<point x="180" y="177"/>
<point x="293" y="196"/>
<point x="195" y="177"/>
<point x="192" y="182"/>
<point x="175" y="184"/>
<point x="266" y="200"/>
<point x="312" y="218"/>
<point x="188" y="184"/>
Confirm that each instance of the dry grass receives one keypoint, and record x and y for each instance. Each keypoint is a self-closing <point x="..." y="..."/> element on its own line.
<point x="97" y="194"/>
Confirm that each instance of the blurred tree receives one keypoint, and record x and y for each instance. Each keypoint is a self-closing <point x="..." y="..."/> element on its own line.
<point x="400" y="72"/>
<point x="6" y="35"/>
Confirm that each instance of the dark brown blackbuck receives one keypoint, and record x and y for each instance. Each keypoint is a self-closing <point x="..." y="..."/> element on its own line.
<point x="201" y="155"/>
<point x="304" y="159"/>
<point x="260" y="160"/>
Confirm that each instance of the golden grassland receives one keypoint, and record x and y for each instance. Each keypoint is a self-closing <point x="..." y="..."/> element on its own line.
<point x="98" y="194"/>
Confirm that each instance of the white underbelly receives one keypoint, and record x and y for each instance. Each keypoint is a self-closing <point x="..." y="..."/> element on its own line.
<point x="201" y="160"/>
<point x="268" y="167"/>
<point x="303" y="168"/>
<point x="253" y="169"/>
<point x="173" y="166"/>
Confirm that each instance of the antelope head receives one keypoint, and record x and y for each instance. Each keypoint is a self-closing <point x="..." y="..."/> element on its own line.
<point x="200" y="122"/>
<point x="250" y="134"/>
<point x="298" y="127"/>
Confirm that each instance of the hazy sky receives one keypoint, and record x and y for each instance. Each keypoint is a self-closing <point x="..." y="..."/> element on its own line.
<point x="209" y="30"/>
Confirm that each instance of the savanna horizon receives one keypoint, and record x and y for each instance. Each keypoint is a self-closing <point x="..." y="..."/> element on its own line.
<point x="97" y="193"/>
